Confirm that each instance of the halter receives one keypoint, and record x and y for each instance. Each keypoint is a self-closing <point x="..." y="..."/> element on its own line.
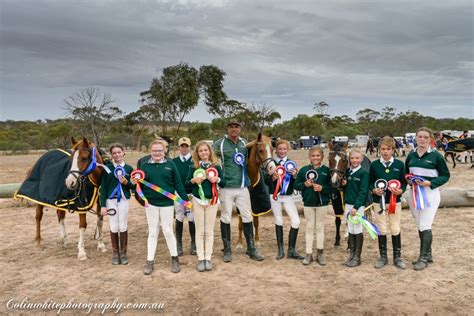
<point x="343" y="157"/>
<point x="263" y="162"/>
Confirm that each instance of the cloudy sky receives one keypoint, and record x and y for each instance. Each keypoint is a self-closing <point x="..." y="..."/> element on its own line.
<point x="411" y="55"/>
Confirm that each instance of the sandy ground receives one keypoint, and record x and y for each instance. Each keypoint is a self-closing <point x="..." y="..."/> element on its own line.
<point x="51" y="273"/>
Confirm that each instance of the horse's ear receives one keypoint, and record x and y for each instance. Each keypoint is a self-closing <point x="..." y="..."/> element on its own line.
<point x="73" y="141"/>
<point x="85" y="142"/>
<point x="250" y="145"/>
<point x="330" y="145"/>
<point x="259" y="138"/>
<point x="346" y="144"/>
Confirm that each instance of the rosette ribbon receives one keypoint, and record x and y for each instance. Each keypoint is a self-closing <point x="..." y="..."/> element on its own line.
<point x="280" y="171"/>
<point x="371" y="228"/>
<point x="212" y="172"/>
<point x="393" y="185"/>
<point x="418" y="196"/>
<point x="93" y="163"/>
<point x="239" y="160"/>
<point x="382" y="184"/>
<point x="313" y="176"/>
<point x="117" y="192"/>
<point x="139" y="175"/>
<point x="289" y="165"/>
<point x="200" y="173"/>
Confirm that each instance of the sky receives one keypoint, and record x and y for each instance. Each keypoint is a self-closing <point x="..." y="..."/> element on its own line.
<point x="409" y="55"/>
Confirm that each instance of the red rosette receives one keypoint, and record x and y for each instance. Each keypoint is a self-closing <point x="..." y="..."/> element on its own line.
<point x="212" y="172"/>
<point x="393" y="184"/>
<point x="280" y="171"/>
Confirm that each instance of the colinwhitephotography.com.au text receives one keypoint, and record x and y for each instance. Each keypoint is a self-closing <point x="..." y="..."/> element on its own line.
<point x="115" y="306"/>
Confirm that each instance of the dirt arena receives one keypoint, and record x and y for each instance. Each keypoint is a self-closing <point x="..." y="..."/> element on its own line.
<point x="52" y="273"/>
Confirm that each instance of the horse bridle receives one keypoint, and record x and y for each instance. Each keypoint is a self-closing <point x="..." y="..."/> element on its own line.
<point x="343" y="157"/>
<point x="263" y="162"/>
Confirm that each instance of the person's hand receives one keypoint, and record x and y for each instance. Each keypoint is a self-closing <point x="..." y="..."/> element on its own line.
<point x="425" y="183"/>
<point x="197" y="180"/>
<point x="397" y="191"/>
<point x="308" y="183"/>
<point x="103" y="211"/>
<point x="353" y="212"/>
<point x="344" y="182"/>
<point x="317" y="187"/>
<point x="294" y="172"/>
<point x="213" y="179"/>
<point x="275" y="176"/>
<point x="378" y="191"/>
<point x="134" y="180"/>
<point x="123" y="180"/>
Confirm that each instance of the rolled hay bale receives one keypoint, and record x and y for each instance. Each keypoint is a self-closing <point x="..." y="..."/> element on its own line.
<point x="7" y="190"/>
<point x="450" y="197"/>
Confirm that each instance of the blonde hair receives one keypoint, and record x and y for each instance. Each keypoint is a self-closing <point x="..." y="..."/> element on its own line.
<point x="387" y="141"/>
<point x="425" y="129"/>
<point x="316" y="148"/>
<point x="356" y="151"/>
<point x="212" y="155"/>
<point x="159" y="142"/>
<point x="283" y="141"/>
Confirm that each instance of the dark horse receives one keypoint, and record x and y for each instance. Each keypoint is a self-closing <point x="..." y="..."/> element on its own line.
<point x="67" y="182"/>
<point x="260" y="161"/>
<point x="338" y="162"/>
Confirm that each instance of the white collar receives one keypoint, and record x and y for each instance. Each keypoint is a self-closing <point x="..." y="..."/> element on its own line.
<point x="185" y="158"/>
<point x="121" y="164"/>
<point x="390" y="160"/>
<point x="278" y="159"/>
<point x="161" y="161"/>
<point x="356" y="169"/>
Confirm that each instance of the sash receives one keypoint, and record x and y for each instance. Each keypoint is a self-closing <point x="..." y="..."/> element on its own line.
<point x="280" y="171"/>
<point x="393" y="184"/>
<point x="382" y="184"/>
<point x="117" y="192"/>
<point x="212" y="172"/>
<point x="418" y="196"/>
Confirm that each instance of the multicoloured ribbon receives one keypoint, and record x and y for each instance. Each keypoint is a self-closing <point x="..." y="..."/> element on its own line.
<point x="418" y="196"/>
<point x="139" y="175"/>
<point x="382" y="184"/>
<point x="371" y="228"/>
<point x="212" y="172"/>
<point x="117" y="192"/>
<point x="200" y="173"/>
<point x="239" y="160"/>
<point x="289" y="165"/>
<point x="280" y="171"/>
<point x="393" y="185"/>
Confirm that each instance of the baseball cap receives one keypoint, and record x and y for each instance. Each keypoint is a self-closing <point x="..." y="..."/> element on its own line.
<point x="184" y="140"/>
<point x="234" y="122"/>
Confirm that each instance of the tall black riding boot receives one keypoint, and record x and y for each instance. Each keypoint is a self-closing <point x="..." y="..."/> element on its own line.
<point x="351" y="245"/>
<point x="421" y="242"/>
<point x="397" y="252"/>
<point x="225" y="234"/>
<point x="251" y="250"/>
<point x="292" y="236"/>
<point x="427" y="238"/>
<point x="123" y="247"/>
<point x="114" y="238"/>
<point x="337" y="221"/>
<point x="383" y="260"/>
<point x="192" y="233"/>
<point x="279" y="235"/>
<point x="359" y="241"/>
<point x="179" y="237"/>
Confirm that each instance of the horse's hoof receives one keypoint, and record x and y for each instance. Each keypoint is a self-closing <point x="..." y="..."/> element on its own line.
<point x="82" y="257"/>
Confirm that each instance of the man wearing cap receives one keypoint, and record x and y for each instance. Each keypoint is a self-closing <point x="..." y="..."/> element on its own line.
<point x="183" y="162"/>
<point x="232" y="151"/>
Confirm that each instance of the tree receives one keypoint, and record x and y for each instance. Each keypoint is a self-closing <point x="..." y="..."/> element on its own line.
<point x="93" y="110"/>
<point x="211" y="80"/>
<point x="366" y="117"/>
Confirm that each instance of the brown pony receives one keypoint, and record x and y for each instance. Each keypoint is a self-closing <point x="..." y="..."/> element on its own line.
<point x="81" y="160"/>
<point x="260" y="158"/>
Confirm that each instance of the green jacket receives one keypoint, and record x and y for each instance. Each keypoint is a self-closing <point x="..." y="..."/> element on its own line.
<point x="396" y="171"/>
<point x="311" y="198"/>
<point x="206" y="185"/>
<point x="225" y="150"/>
<point x="357" y="188"/>
<point x="108" y="184"/>
<point x="183" y="168"/>
<point x="431" y="166"/>
<point x="166" y="176"/>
